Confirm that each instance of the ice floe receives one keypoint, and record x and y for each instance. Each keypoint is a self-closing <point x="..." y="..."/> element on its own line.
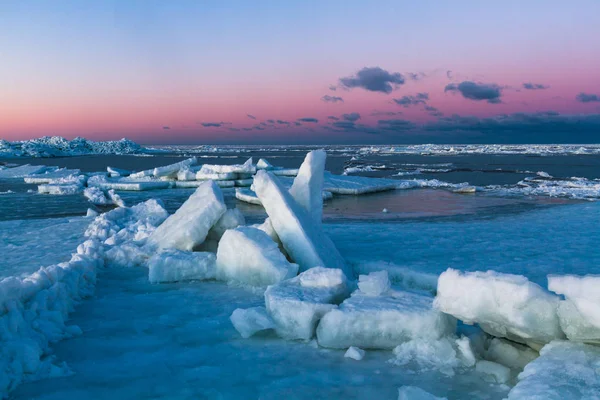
<point x="170" y="265"/>
<point x="250" y="321"/>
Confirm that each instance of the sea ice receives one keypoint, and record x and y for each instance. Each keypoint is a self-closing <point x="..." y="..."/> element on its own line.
<point x="186" y="174"/>
<point x="564" y="370"/>
<point x="297" y="304"/>
<point x="96" y="196"/>
<point x="250" y="321"/>
<point x="127" y="184"/>
<point x="232" y="218"/>
<point x="22" y="171"/>
<point x="383" y="322"/>
<point x="206" y="173"/>
<point x="51" y="176"/>
<point x="579" y="313"/>
<point x="117" y="172"/>
<point x="173" y="169"/>
<point x="338" y="184"/>
<point x="415" y="393"/>
<point x="304" y="241"/>
<point x="244" y="182"/>
<point x="247" y="168"/>
<point x="170" y="265"/>
<point x="195" y="184"/>
<point x="374" y="284"/>
<point x="247" y="196"/>
<point x="285" y="171"/>
<point x="59" y="189"/>
<point x="308" y="185"/>
<point x="264" y="164"/>
<point x="355" y="353"/>
<point x="190" y="224"/>
<point x="248" y="255"/>
<point x="510" y="354"/>
<point x="503" y="305"/>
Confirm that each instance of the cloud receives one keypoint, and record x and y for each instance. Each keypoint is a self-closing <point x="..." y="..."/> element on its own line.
<point x="395" y="124"/>
<point x="385" y="113"/>
<point x="416" y="76"/>
<point x="477" y="91"/>
<point x="212" y="124"/>
<point x="331" y="117"/>
<point x="271" y="121"/>
<point x="297" y="123"/>
<point x="534" y="86"/>
<point x="353" y="116"/>
<point x="347" y="125"/>
<point x="282" y="122"/>
<point x="449" y="74"/>
<point x="332" y="88"/>
<point x="373" y="79"/>
<point x="408" y="101"/>
<point x="166" y="127"/>
<point x="433" y="111"/>
<point x="332" y="99"/>
<point x="250" y="116"/>
<point x="308" y="119"/>
<point x="587" y="97"/>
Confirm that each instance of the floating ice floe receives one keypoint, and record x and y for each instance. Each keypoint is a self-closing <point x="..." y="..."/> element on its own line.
<point x="195" y="184"/>
<point x="59" y="189"/>
<point x="579" y="313"/>
<point x="250" y="321"/>
<point x="173" y="169"/>
<point x="170" y="265"/>
<point x="503" y="305"/>
<point x="51" y="176"/>
<point x="231" y="219"/>
<point x="264" y="164"/>
<point x="297" y="304"/>
<point x="304" y="241"/>
<point x="246" y="168"/>
<point x="564" y="370"/>
<point x="190" y="224"/>
<point x="248" y="255"/>
<point x="356" y="185"/>
<point x="247" y="196"/>
<point x="126" y="184"/>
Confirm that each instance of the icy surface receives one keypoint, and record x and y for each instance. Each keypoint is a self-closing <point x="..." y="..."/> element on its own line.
<point x="190" y="224"/>
<point x="308" y="184"/>
<point x="503" y="305"/>
<point x="296" y="305"/>
<point x="383" y="322"/>
<point x="248" y="255"/>
<point x="249" y="321"/>
<point x="172" y="265"/>
<point x="96" y="196"/>
<point x="57" y="146"/>
<point x="564" y="370"/>
<point x="303" y="240"/>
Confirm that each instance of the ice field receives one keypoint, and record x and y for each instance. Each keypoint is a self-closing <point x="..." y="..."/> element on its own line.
<point x="420" y="291"/>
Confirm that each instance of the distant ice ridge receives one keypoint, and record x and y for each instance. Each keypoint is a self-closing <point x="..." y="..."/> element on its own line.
<point x="56" y="146"/>
<point x="447" y="149"/>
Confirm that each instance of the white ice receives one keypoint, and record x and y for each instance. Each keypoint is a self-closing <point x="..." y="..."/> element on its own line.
<point x="59" y="189"/>
<point x="232" y="218"/>
<point x="170" y="265"/>
<point x="173" y="169"/>
<point x="250" y="321"/>
<point x="355" y="353"/>
<point x="247" y="168"/>
<point x="22" y="171"/>
<point x="308" y="185"/>
<point x="374" y="284"/>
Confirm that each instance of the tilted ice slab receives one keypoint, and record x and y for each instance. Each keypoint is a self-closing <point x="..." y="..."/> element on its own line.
<point x="172" y="169"/>
<point x="383" y="322"/>
<point x="297" y="304"/>
<point x="308" y="185"/>
<point x="338" y="184"/>
<point x="563" y="371"/>
<point x="172" y="265"/>
<point x="579" y="313"/>
<point x="251" y="320"/>
<point x="264" y="164"/>
<point x="247" y="196"/>
<point x="117" y="172"/>
<point x="503" y="305"/>
<point x="190" y="224"/>
<point x="304" y="241"/>
<point x="248" y="255"/>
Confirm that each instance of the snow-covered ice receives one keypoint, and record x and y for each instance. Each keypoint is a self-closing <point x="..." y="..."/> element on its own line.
<point x="503" y="305"/>
<point x="59" y="189"/>
<point x="249" y="321"/>
<point x="171" y="265"/>
<point x="248" y="255"/>
<point x="22" y="171"/>
<point x="190" y="224"/>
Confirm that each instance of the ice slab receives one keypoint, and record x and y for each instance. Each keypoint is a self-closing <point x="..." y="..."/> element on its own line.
<point x="247" y="196"/>
<point x="503" y="305"/>
<point x="296" y="305"/>
<point x="415" y="393"/>
<point x="186" y="174"/>
<point x="285" y="171"/>
<point x="383" y="322"/>
<point x="232" y="218"/>
<point x="308" y="185"/>
<point x="173" y="169"/>
<point x="356" y="185"/>
<point x="195" y="184"/>
<point x="127" y="184"/>
<point x="510" y="354"/>
<point x="247" y="167"/>
<point x="96" y="196"/>
<point x="190" y="224"/>
<point x="354" y="353"/>
<point x="175" y="265"/>
<point x="304" y="241"/>
<point x="243" y="182"/>
<point x="117" y="172"/>
<point x="207" y="174"/>
<point x="374" y="284"/>
<point x="263" y="164"/>
<point x="579" y="313"/>
<point x="248" y="255"/>
<point x="564" y="370"/>
<point x="250" y="321"/>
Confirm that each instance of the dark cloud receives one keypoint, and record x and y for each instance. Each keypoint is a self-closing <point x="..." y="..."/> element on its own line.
<point x="212" y="124"/>
<point x="247" y="129"/>
<point x="297" y="123"/>
<point x="385" y="113"/>
<point x="433" y="111"/>
<point x="263" y="124"/>
<point x="353" y="116"/>
<point x="166" y="127"/>
<point x="344" y="125"/>
<point x="374" y="79"/>
<point x="250" y="116"/>
<point x="534" y="86"/>
<point x="233" y="129"/>
<point x="477" y="91"/>
<point x="271" y="121"/>
<point x="282" y="122"/>
<point x="408" y="101"/>
<point x="587" y="97"/>
<point x="314" y="120"/>
<point x="332" y="99"/>
<point x="332" y="88"/>
<point x="416" y="76"/>
<point x="331" y="117"/>
<point x="395" y="124"/>
<point x="259" y="127"/>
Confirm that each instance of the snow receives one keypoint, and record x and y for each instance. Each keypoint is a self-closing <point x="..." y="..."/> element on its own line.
<point x="415" y="393"/>
<point x="170" y="265"/>
<point x="579" y="313"/>
<point x="172" y="169"/>
<point x="304" y="241"/>
<point x="494" y="372"/>
<point x="248" y="255"/>
<point x="190" y="224"/>
<point x="503" y="305"/>
<point x="297" y="304"/>
<point x="250" y="321"/>
<point x="383" y="322"/>
<point x="374" y="284"/>
<point x="355" y="353"/>
<point x="22" y="171"/>
<point x="564" y="370"/>
<point x="57" y="146"/>
<point x="308" y="185"/>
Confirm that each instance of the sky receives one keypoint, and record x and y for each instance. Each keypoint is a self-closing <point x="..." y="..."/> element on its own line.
<point x="278" y="72"/>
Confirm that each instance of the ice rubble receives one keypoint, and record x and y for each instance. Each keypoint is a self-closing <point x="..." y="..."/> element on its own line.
<point x="304" y="241"/>
<point x="249" y="321"/>
<point x="579" y="313"/>
<point x="172" y="169"/>
<point x="297" y="304"/>
<point x="248" y="255"/>
<point x="57" y="146"/>
<point x="503" y="305"/>
<point x="170" y="265"/>
<point x="190" y="224"/>
<point x="564" y="370"/>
